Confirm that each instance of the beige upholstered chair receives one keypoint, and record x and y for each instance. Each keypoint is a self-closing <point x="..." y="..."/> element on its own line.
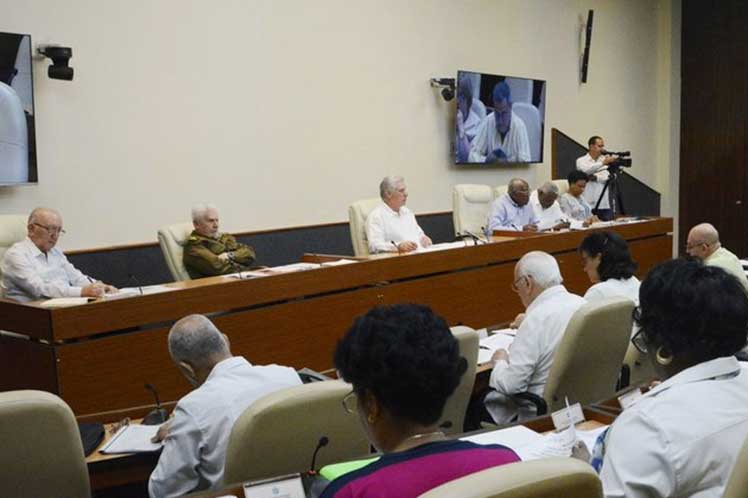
<point x="42" y="452"/>
<point x="500" y="190"/>
<point x="357" y="214"/>
<point x="278" y="433"/>
<point x="530" y="116"/>
<point x="588" y="360"/>
<point x="737" y="484"/>
<point x="12" y="230"/>
<point x="453" y="418"/>
<point x="563" y="186"/>
<point x="172" y="239"/>
<point x="470" y="207"/>
<point x="589" y="357"/>
<point x="545" y="478"/>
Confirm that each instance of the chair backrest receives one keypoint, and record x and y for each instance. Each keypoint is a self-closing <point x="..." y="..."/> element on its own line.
<point x="737" y="484"/>
<point x="545" y="478"/>
<point x="500" y="190"/>
<point x="42" y="451"/>
<point x="521" y="90"/>
<point x="470" y="207"/>
<point x="563" y="186"/>
<point x="453" y="418"/>
<point x="529" y="115"/>
<point x="588" y="360"/>
<point x="12" y="230"/>
<point x="357" y="214"/>
<point x="171" y="238"/>
<point x="278" y="433"/>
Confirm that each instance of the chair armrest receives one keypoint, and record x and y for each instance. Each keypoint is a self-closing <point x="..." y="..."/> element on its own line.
<point x="540" y="405"/>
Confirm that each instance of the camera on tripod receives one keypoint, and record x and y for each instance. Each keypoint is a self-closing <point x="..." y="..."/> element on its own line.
<point x="623" y="160"/>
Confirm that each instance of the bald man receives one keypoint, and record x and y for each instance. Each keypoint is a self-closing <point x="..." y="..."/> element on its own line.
<point x="512" y="210"/>
<point x="196" y="437"/>
<point x="35" y="269"/>
<point x="703" y="243"/>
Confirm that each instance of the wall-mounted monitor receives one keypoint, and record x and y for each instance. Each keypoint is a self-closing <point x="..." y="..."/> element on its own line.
<point x="17" y="127"/>
<point x="500" y="119"/>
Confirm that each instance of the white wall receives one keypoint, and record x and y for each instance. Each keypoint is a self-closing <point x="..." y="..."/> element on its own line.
<point x="284" y="111"/>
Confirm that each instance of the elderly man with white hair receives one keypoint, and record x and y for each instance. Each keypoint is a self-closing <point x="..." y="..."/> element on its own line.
<point x="547" y="209"/>
<point x="391" y="226"/>
<point x="207" y="252"/>
<point x="525" y="367"/>
<point x="196" y="437"/>
<point x="703" y="243"/>
<point x="35" y="268"/>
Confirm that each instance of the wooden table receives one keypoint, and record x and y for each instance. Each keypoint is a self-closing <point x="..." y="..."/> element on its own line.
<point x="98" y="356"/>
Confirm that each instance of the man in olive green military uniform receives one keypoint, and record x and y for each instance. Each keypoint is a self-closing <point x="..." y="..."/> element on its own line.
<point x="208" y="252"/>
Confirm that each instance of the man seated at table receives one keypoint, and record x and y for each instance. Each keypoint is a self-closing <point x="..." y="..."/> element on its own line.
<point x="546" y="208"/>
<point x="502" y="136"/>
<point x="207" y="252"/>
<point x="34" y="268"/>
<point x="525" y="367"/>
<point x="512" y="211"/>
<point x="703" y="243"/>
<point x="391" y="226"/>
<point x="196" y="437"/>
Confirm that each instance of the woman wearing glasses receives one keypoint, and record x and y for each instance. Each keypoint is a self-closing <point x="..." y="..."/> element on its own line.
<point x="682" y="437"/>
<point x="404" y="363"/>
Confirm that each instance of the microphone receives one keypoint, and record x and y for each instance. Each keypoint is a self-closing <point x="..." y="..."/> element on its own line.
<point x="140" y="288"/>
<point x="486" y="233"/>
<point x="158" y="415"/>
<point x="320" y="444"/>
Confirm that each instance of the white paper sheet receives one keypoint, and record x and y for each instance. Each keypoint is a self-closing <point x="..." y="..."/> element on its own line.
<point x="501" y="339"/>
<point x="512" y="437"/>
<point x="133" y="439"/>
<point x="64" y="302"/>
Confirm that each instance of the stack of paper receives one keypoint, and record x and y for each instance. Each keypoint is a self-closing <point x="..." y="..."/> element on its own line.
<point x="339" y="262"/>
<point x="64" y="302"/>
<point x="501" y="339"/>
<point x="132" y="439"/>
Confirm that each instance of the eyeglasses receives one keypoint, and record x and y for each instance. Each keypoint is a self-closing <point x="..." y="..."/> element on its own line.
<point x="640" y="342"/>
<point x="51" y="230"/>
<point x="350" y="402"/>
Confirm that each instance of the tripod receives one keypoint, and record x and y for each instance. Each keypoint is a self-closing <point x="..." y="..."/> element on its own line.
<point x="616" y="199"/>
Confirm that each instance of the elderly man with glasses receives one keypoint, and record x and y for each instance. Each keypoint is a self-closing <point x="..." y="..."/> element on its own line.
<point x="703" y="244"/>
<point x="34" y="268"/>
<point x="525" y="367"/>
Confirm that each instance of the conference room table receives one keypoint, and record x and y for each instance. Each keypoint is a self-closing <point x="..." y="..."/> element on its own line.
<point x="98" y="356"/>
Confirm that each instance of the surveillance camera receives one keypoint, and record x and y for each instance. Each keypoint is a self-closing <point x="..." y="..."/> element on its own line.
<point x="448" y="94"/>
<point x="59" y="70"/>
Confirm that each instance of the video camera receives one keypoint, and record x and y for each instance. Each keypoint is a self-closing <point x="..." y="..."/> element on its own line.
<point x="623" y="161"/>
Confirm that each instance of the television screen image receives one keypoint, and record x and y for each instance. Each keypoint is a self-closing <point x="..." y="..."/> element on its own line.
<point x="17" y="136"/>
<point x="500" y="119"/>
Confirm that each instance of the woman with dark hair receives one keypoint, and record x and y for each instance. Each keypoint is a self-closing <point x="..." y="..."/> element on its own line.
<point x="681" y="438"/>
<point x="607" y="262"/>
<point x="403" y="363"/>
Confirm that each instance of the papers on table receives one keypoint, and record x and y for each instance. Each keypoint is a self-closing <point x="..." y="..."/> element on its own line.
<point x="339" y="262"/>
<point x="64" y="302"/>
<point x="512" y="437"/>
<point x="530" y="445"/>
<point x="138" y="291"/>
<point x="133" y="439"/>
<point x="275" y="270"/>
<point x="501" y="339"/>
<point x="446" y="245"/>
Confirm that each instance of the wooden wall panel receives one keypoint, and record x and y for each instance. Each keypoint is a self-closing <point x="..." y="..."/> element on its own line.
<point x="714" y="122"/>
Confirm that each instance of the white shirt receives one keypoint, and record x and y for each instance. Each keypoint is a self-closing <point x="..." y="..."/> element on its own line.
<point x="195" y="447"/>
<point x="476" y="115"/>
<point x="30" y="274"/>
<point x="384" y="226"/>
<point x="728" y="262"/>
<point x="514" y="144"/>
<point x="681" y="438"/>
<point x="531" y="353"/>
<point x="508" y="215"/>
<point x="614" y="287"/>
<point x="593" y="189"/>
<point x="575" y="208"/>
<point x="547" y="218"/>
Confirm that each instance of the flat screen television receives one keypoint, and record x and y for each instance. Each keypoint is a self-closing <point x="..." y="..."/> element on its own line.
<point x="500" y="119"/>
<point x="17" y="127"/>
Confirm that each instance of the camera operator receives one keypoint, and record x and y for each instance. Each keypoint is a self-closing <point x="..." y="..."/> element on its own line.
<point x="595" y="165"/>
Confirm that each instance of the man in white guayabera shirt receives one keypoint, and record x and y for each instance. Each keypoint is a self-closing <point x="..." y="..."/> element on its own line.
<point x="391" y="226"/>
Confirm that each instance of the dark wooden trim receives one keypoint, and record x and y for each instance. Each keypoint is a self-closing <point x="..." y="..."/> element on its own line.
<point x="144" y="245"/>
